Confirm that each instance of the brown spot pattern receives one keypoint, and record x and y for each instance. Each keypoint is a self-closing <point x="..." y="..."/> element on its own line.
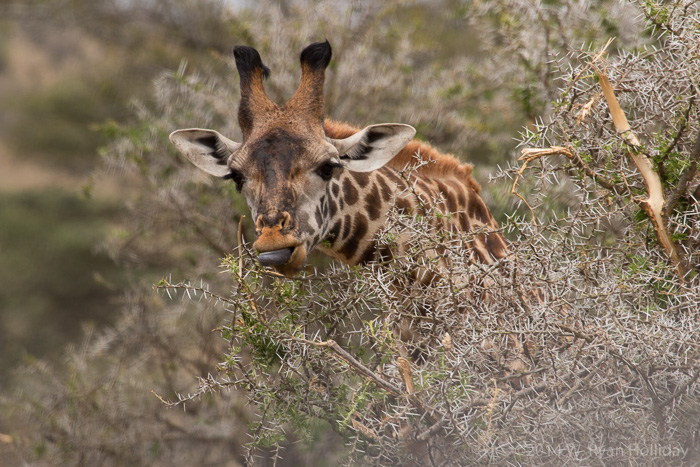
<point x="496" y="245"/>
<point x="369" y="254"/>
<point x="422" y="186"/>
<point x="477" y="210"/>
<point x="349" y="192"/>
<point x="479" y="250"/>
<point x="403" y="205"/>
<point x="461" y="191"/>
<point x="464" y="222"/>
<point x="362" y="178"/>
<point x="373" y="203"/>
<point x="383" y="187"/>
<point x="347" y="225"/>
<point x="449" y="197"/>
<point x="334" y="232"/>
<point x="359" y="231"/>
<point x="391" y="174"/>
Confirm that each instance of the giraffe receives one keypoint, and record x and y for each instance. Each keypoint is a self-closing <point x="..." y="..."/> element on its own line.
<point x="311" y="182"/>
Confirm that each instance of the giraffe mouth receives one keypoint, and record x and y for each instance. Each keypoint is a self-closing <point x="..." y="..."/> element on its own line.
<point x="288" y="261"/>
<point x="275" y="257"/>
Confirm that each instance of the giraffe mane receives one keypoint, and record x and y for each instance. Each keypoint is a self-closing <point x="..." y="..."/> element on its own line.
<point x="445" y="166"/>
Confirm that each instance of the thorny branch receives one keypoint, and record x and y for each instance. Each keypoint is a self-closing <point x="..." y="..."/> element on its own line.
<point x="608" y="348"/>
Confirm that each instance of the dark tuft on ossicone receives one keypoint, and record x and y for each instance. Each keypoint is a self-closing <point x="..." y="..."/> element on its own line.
<point x="248" y="59"/>
<point x="317" y="55"/>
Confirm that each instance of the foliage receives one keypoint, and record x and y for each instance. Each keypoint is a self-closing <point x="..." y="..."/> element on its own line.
<point x="92" y="408"/>
<point x="602" y="368"/>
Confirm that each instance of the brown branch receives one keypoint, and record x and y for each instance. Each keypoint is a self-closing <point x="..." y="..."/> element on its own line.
<point x="359" y="367"/>
<point x="406" y="374"/>
<point x="530" y="154"/>
<point x="527" y="158"/>
<point x="240" y="248"/>
<point x="430" y="413"/>
<point x="680" y="390"/>
<point x="576" y="333"/>
<point x="580" y="383"/>
<point x="437" y="426"/>
<point x="654" y="204"/>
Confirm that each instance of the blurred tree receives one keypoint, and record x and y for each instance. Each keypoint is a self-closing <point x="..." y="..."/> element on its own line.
<point x="52" y="278"/>
<point x="102" y="55"/>
<point x="69" y="72"/>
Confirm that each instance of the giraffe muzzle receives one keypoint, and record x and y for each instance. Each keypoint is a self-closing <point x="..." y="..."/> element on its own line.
<point x="275" y="257"/>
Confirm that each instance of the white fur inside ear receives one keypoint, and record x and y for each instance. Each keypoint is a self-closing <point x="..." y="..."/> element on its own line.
<point x="207" y="149"/>
<point x="374" y="146"/>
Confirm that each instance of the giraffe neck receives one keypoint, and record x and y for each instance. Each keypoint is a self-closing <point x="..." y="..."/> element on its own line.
<point x="358" y="204"/>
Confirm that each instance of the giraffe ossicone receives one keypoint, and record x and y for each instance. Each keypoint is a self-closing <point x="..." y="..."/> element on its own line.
<point x="314" y="183"/>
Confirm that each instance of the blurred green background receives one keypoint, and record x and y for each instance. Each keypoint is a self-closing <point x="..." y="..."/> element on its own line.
<point x="68" y="71"/>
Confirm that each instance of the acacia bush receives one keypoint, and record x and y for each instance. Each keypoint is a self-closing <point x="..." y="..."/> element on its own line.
<point x="604" y="368"/>
<point x="581" y="345"/>
<point x="605" y="365"/>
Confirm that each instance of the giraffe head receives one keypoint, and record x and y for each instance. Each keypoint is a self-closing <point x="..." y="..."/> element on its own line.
<point x="285" y="163"/>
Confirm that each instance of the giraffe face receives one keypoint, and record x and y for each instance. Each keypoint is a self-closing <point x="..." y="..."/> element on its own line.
<point x="284" y="177"/>
<point x="285" y="174"/>
<point x="285" y="163"/>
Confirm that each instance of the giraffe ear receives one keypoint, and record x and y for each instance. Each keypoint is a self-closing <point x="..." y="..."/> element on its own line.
<point x="207" y="149"/>
<point x="374" y="146"/>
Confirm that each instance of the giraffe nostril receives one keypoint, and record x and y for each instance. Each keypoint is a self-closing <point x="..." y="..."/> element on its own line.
<point x="286" y="218"/>
<point x="273" y="219"/>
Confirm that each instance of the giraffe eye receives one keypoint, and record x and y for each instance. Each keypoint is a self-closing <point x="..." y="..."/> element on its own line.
<point x="325" y="170"/>
<point x="237" y="178"/>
